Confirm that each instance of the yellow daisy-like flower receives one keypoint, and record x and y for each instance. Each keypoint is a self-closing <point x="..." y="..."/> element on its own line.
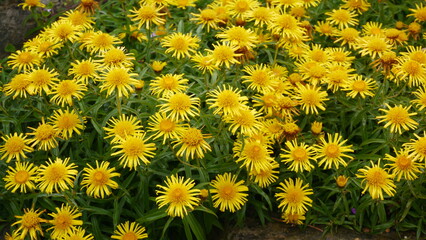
<point x="66" y="122"/>
<point x="340" y="56"/>
<point x="374" y="46"/>
<point x="192" y="144"/>
<point x="180" y="106"/>
<point x="87" y="6"/>
<point x="299" y="156"/>
<point x="226" y="100"/>
<point x="100" y="41"/>
<point x="15" y="146"/>
<point x="377" y="180"/>
<point x="13" y="236"/>
<point x="24" y="60"/>
<point x="311" y="98"/>
<point x="338" y="76"/>
<point x="347" y="36"/>
<point x="182" y="3"/>
<point x="266" y="176"/>
<point x="56" y="176"/>
<point x="78" y="234"/>
<point x="207" y="18"/>
<point x="79" y="18"/>
<point x="343" y="18"/>
<point x="325" y="28"/>
<point x="254" y="155"/>
<point x="119" y="80"/>
<point x="129" y="231"/>
<point x="98" y="181"/>
<point x="44" y="136"/>
<point x="224" y="54"/>
<point x="398" y="118"/>
<point x="158" y="66"/>
<point x="356" y="5"/>
<point x="417" y="148"/>
<point x="373" y="28"/>
<point x="123" y="127"/>
<point x="166" y="85"/>
<point x="360" y="86"/>
<point x="133" y="150"/>
<point x="66" y="90"/>
<point x="18" y="86"/>
<point x="246" y="121"/>
<point x="239" y="36"/>
<point x="116" y="57"/>
<point x="84" y="69"/>
<point x="260" y="78"/>
<point x="64" y="221"/>
<point x="180" y="45"/>
<point x="43" y="45"/>
<point x="293" y="218"/>
<point x="241" y="8"/>
<point x="420" y="98"/>
<point x="341" y="181"/>
<point x="287" y="26"/>
<point x="262" y="16"/>
<point x="411" y="70"/>
<point x="165" y="127"/>
<point x="42" y="80"/>
<point x="332" y="151"/>
<point x="403" y="165"/>
<point x="228" y="194"/>
<point x="178" y="196"/>
<point x="29" y="223"/>
<point x="312" y="71"/>
<point x="293" y="197"/>
<point x="63" y="30"/>
<point x="419" y="13"/>
<point x="415" y="53"/>
<point x="204" y="63"/>
<point x="30" y="4"/>
<point x="21" y="177"/>
<point x="147" y="15"/>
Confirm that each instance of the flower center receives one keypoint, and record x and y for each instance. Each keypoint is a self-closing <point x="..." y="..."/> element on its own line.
<point x="193" y="137"/>
<point x="63" y="221"/>
<point x="300" y="154"/>
<point x="227" y="99"/>
<point x="295" y="196"/>
<point x="25" y="57"/>
<point x="67" y="121"/>
<point x="14" y="145"/>
<point x="398" y="115"/>
<point x="169" y="83"/>
<point x="55" y="173"/>
<point x="129" y="236"/>
<point x="332" y="150"/>
<point x="85" y="68"/>
<point x="178" y="195"/>
<point x="124" y="129"/>
<point x="167" y="125"/>
<point x="118" y="77"/>
<point x="100" y="178"/>
<point x="359" y="86"/>
<point x="133" y="147"/>
<point x="403" y="162"/>
<point x="376" y="178"/>
<point x="67" y="88"/>
<point x="21" y="176"/>
<point x="228" y="192"/>
<point x="45" y="132"/>
<point x="412" y="68"/>
<point x="180" y="102"/>
<point x="30" y="220"/>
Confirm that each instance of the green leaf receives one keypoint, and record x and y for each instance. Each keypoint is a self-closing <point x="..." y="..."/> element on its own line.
<point x="152" y="216"/>
<point x="195" y="226"/>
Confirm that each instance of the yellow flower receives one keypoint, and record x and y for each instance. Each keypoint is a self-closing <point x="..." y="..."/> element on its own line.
<point x="21" y="177"/>
<point x="341" y="181"/>
<point x="420" y="98"/>
<point x="192" y="143"/>
<point x="29" y="223"/>
<point x="287" y="26"/>
<point x="228" y="194"/>
<point x="98" y="181"/>
<point x="207" y="17"/>
<point x="239" y="36"/>
<point x="293" y="197"/>
<point x="340" y="56"/>
<point x="79" y="18"/>
<point x="377" y="180"/>
<point x="14" y="236"/>
<point x="325" y="28"/>
<point x="129" y="231"/>
<point x="169" y="84"/>
<point x="245" y="120"/>
<point x="411" y="70"/>
<point x="204" y="62"/>
<point x="360" y="86"/>
<point x="417" y="148"/>
<point x="419" y="13"/>
<point x="84" y="69"/>
<point x="375" y="46"/>
<point x="18" y="86"/>
<point x="158" y="66"/>
<point x="178" y="196"/>
<point x="293" y="218"/>
<point x="262" y="16"/>
<point x="255" y="155"/>
<point x="180" y="45"/>
<point x="116" y="57"/>
<point x="147" y="15"/>
<point x="356" y="5"/>
<point x="316" y="128"/>
<point x="64" y="221"/>
<point x="403" y="165"/>
<point x="118" y="79"/>
<point x="311" y="98"/>
<point x="123" y="127"/>
<point x="31" y="4"/>
<point x="100" y="42"/>
<point x="44" y="136"/>
<point x="180" y="106"/>
<point x="78" y="234"/>
<point x="165" y="127"/>
<point x="338" y="76"/>
<point x="347" y="36"/>
<point x="67" y="122"/>
<point x="15" y="147"/>
<point x="42" y="79"/>
<point x="260" y="78"/>
<point x="226" y="100"/>
<point x="241" y="8"/>
<point x="64" y="91"/>
<point x="398" y="118"/>
<point x="298" y="155"/>
<point x="342" y="18"/>
<point x="332" y="151"/>
<point x="182" y="3"/>
<point x="312" y="71"/>
<point x="133" y="150"/>
<point x="24" y="60"/>
<point x="88" y="6"/>
<point x="224" y="54"/>
<point x="267" y="175"/>
<point x="63" y="30"/>
<point x="56" y="176"/>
